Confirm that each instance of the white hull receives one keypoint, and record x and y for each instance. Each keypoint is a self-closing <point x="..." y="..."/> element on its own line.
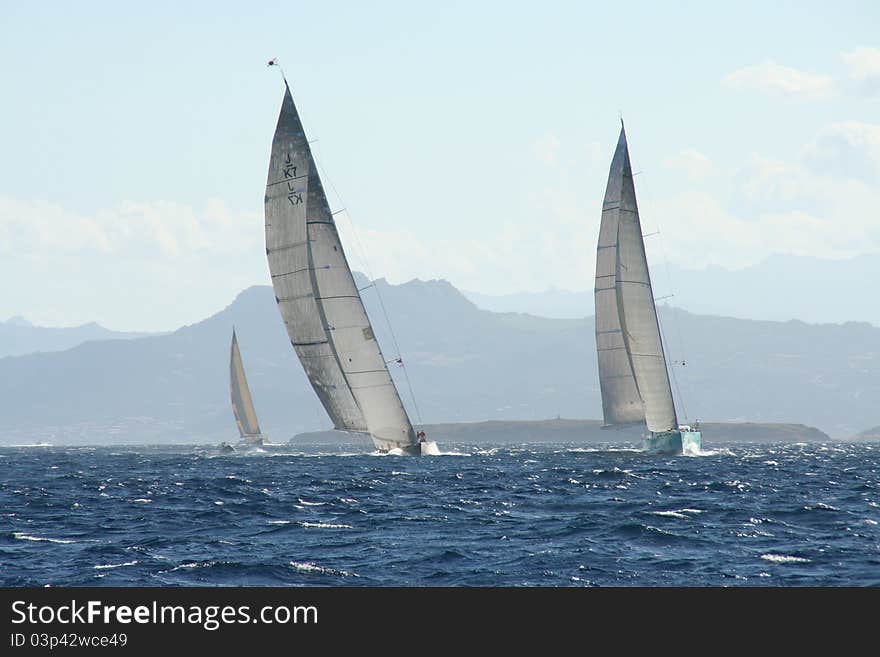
<point x="427" y="448"/>
<point x="673" y="442"/>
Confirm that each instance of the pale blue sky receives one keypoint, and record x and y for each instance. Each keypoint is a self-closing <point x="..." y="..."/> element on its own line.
<point x="470" y="141"/>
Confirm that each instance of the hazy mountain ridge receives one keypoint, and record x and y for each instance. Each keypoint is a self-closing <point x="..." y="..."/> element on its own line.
<point x="18" y="336"/>
<point x="465" y="365"/>
<point x="780" y="288"/>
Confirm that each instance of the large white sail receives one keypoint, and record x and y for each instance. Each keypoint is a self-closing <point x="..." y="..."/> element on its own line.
<point x="317" y="296"/>
<point x="632" y="367"/>
<point x="621" y="402"/>
<point x="242" y="404"/>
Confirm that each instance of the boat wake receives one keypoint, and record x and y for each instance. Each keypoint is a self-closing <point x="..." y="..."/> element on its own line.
<point x="604" y="450"/>
<point x="708" y="452"/>
<point x="429" y="448"/>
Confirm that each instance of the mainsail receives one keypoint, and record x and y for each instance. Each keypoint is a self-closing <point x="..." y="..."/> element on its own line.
<point x="317" y="296"/>
<point x="632" y="367"/>
<point x="242" y="404"/>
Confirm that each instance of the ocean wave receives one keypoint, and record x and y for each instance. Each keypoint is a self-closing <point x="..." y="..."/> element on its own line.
<point x="783" y="558"/>
<point x="194" y="564"/>
<point x="307" y="567"/>
<point x="720" y="451"/>
<point x="21" y="536"/>
<point x="680" y="513"/>
<point x="821" y="506"/>
<point x="115" y="565"/>
<point x="524" y="515"/>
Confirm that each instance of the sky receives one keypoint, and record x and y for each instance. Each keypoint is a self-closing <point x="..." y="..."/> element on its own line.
<point x="468" y="141"/>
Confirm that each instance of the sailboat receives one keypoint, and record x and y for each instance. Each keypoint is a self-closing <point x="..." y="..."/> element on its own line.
<point x="319" y="301"/>
<point x="632" y="365"/>
<point x="242" y="403"/>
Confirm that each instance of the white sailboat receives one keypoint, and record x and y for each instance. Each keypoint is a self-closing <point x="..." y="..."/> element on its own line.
<point x="242" y="402"/>
<point x="319" y="301"/>
<point x="632" y="366"/>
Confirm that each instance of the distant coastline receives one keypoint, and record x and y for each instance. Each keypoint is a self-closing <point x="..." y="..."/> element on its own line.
<point x="558" y="430"/>
<point x="564" y="430"/>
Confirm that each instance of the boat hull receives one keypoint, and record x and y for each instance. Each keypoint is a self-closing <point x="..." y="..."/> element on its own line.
<point x="427" y="448"/>
<point x="673" y="442"/>
<point x="253" y="440"/>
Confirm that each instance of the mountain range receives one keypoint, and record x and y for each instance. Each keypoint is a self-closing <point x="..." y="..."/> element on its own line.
<point x="18" y="336"/>
<point x="465" y="364"/>
<point x="778" y="288"/>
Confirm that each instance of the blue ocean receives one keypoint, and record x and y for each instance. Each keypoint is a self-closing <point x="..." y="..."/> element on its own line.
<point x="802" y="514"/>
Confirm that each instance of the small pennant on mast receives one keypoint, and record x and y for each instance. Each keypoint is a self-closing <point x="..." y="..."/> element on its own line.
<point x="274" y="62"/>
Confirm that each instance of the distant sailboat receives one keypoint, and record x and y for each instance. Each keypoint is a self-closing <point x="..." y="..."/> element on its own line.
<point x="632" y="366"/>
<point x="319" y="301"/>
<point x="242" y="403"/>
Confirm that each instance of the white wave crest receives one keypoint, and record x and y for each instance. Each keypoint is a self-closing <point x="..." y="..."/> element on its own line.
<point x="722" y="451"/>
<point x="21" y="536"/>
<point x="593" y="450"/>
<point x="203" y="564"/>
<point x="114" y="565"/>
<point x="783" y="558"/>
<point x="306" y="567"/>
<point x="324" y="525"/>
<point x="670" y="514"/>
<point x="678" y="513"/>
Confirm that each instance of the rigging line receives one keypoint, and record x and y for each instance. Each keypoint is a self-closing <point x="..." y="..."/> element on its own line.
<point x="674" y="378"/>
<point x="363" y="256"/>
<point x="675" y="324"/>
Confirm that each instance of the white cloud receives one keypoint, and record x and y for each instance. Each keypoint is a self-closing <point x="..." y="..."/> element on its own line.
<point x="547" y="148"/>
<point x="792" y="208"/>
<point x="694" y="164"/>
<point x="864" y="67"/>
<point x="765" y="207"/>
<point x="704" y="232"/>
<point x="781" y="80"/>
<point x="766" y="181"/>
<point x="152" y="229"/>
<point x="519" y="258"/>
<point x="139" y="266"/>
<point x="157" y="265"/>
<point x="846" y="149"/>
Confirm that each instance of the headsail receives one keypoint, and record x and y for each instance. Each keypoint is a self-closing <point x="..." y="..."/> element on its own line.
<point x="632" y="367"/>
<point x="318" y="298"/>
<point x="242" y="404"/>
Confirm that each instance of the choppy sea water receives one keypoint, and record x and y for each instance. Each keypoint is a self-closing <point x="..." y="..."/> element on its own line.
<point x="525" y="515"/>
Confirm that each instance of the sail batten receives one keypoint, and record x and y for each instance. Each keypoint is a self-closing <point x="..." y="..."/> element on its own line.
<point x="242" y="402"/>
<point x="632" y="366"/>
<point x="322" y="309"/>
